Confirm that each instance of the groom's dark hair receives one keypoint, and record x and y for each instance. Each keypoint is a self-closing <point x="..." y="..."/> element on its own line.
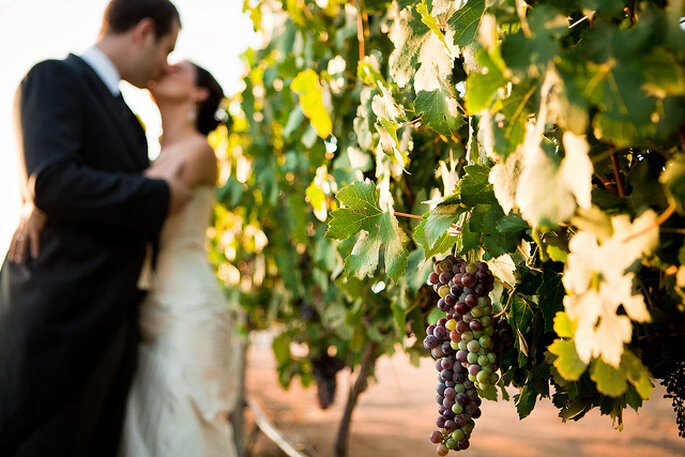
<point x="122" y="15"/>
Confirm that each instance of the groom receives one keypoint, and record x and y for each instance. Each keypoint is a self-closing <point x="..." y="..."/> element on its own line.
<point x="68" y="317"/>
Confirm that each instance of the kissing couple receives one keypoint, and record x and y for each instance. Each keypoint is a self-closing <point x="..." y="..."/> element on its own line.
<point x="115" y="337"/>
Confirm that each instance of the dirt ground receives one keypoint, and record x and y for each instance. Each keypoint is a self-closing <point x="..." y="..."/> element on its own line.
<point x="396" y="415"/>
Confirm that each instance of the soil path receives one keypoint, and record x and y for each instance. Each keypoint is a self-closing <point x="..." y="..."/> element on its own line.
<point x="396" y="415"/>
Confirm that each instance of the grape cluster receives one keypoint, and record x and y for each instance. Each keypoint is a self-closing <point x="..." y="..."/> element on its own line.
<point x="466" y="344"/>
<point x="325" y="369"/>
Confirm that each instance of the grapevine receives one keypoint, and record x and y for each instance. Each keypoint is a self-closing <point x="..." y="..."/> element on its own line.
<point x="545" y="138"/>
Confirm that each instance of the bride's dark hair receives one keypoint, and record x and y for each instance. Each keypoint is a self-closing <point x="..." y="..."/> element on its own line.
<point x="207" y="110"/>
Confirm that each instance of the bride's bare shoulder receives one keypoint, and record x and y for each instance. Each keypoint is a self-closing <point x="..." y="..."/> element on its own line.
<point x="201" y="166"/>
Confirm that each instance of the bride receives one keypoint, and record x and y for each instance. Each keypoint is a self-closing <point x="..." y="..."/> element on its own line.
<point x="186" y="383"/>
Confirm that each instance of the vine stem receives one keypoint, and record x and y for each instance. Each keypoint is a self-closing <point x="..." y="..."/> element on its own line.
<point x="360" y="30"/>
<point x="504" y="284"/>
<point x="659" y="220"/>
<point x="618" y="174"/>
<point x="413" y="216"/>
<point x="418" y="119"/>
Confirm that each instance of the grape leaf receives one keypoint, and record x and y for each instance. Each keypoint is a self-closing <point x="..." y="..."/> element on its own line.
<point x="466" y="21"/>
<point x="610" y="381"/>
<point x="567" y="362"/>
<point x="395" y="242"/>
<point x="438" y="109"/>
<point x="306" y="85"/>
<point x="442" y="245"/>
<point x="440" y="219"/>
<point x="551" y="294"/>
<point x="525" y="401"/>
<point x="362" y="211"/>
<point x="417" y="50"/>
<point x="637" y="374"/>
<point x="482" y="87"/>
<point x="363" y="261"/>
<point x="475" y="187"/>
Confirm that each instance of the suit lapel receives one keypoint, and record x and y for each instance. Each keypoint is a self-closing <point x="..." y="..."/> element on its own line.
<point x="131" y="132"/>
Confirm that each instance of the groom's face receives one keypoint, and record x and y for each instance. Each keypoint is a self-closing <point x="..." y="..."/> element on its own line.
<point x="152" y="57"/>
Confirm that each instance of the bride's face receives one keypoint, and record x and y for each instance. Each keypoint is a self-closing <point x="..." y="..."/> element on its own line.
<point x="177" y="84"/>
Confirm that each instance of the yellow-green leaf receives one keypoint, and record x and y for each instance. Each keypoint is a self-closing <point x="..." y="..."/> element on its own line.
<point x="307" y="86"/>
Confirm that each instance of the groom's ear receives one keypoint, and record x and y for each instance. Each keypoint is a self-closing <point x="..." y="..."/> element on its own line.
<point x="143" y="31"/>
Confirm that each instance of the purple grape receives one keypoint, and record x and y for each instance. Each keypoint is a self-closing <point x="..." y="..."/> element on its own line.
<point x="475" y="325"/>
<point x="461" y="356"/>
<point x="460" y="420"/>
<point x="440" y="422"/>
<point x="433" y="278"/>
<point x="450" y="299"/>
<point x="445" y="278"/>
<point x="471" y="300"/>
<point x="436" y="437"/>
<point x="474" y="369"/>
<point x="462" y="399"/>
<point x="468" y="279"/>
<point x="450" y="426"/>
<point x="462" y="308"/>
<point x="429" y="330"/>
<point x="459" y="377"/>
<point x="440" y="332"/>
<point x="446" y="375"/>
<point x="450" y="393"/>
<point x="471" y="408"/>
<point x="447" y="363"/>
<point x="464" y="444"/>
<point x="476" y="414"/>
<point x="441" y="389"/>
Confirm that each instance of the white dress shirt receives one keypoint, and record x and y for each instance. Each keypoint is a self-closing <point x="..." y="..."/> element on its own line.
<point x="104" y="68"/>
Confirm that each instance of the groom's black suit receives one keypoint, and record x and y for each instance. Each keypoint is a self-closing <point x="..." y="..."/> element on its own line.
<point x="68" y="318"/>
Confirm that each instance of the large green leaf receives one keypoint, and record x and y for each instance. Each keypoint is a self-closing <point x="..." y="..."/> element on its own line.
<point x="438" y="109"/>
<point x="466" y="21"/>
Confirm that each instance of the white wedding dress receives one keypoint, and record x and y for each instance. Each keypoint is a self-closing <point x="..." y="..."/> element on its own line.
<point x="187" y="379"/>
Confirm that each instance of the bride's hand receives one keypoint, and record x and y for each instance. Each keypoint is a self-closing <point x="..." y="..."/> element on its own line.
<point x="27" y="234"/>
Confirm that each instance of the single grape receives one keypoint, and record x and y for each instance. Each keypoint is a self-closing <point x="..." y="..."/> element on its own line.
<point x="473" y="345"/>
<point x="468" y="280"/>
<point x="457" y="409"/>
<point x="441" y="389"/>
<point x="441" y="322"/>
<point x="436" y="437"/>
<point x="450" y="393"/>
<point x="462" y="326"/>
<point x="451" y="324"/>
<point x="451" y="299"/>
<point x="443" y="291"/>
<point x="462" y="308"/>
<point x="454" y="336"/>
<point x="450" y="426"/>
<point x="474" y="370"/>
<point x="462" y="398"/>
<point x="463" y="445"/>
<point x="429" y="330"/>
<point x="440" y="332"/>
<point x="470" y="408"/>
<point x="442" y="450"/>
<point x="457" y="435"/>
<point x="461" y="356"/>
<point x="471" y="300"/>
<point x="433" y="278"/>
<point x="472" y="357"/>
<point x="463" y="345"/>
<point x="467" y="336"/>
<point x="445" y="278"/>
<point x="451" y="443"/>
<point x="476" y="312"/>
<point x="475" y="324"/>
<point x="471" y="268"/>
<point x="460" y="420"/>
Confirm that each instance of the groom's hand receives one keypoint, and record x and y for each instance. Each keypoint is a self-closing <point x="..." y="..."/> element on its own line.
<point x="171" y="172"/>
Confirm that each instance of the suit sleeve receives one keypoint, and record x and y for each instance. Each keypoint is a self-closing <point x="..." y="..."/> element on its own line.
<point x="63" y="186"/>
